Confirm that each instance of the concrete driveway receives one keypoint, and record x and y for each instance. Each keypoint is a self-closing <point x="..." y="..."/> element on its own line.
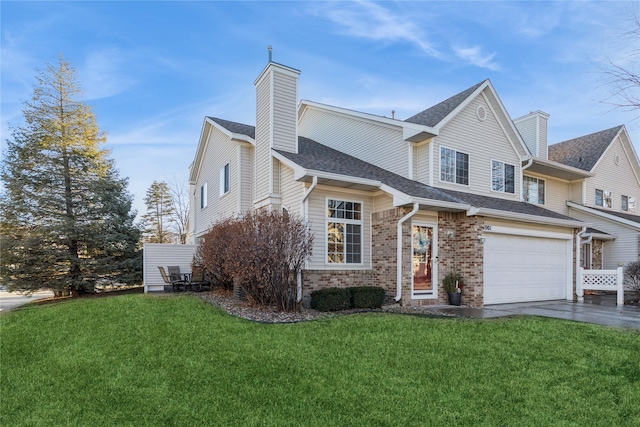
<point x="10" y="300"/>
<point x="598" y="310"/>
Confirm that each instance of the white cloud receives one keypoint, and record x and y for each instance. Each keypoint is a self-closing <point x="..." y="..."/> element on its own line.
<point x="475" y="56"/>
<point x="102" y="75"/>
<point x="372" y="21"/>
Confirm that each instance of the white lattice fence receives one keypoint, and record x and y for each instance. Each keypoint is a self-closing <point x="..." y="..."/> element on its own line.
<point x="601" y="280"/>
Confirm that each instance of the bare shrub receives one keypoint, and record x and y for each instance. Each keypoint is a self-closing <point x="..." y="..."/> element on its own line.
<point x="264" y="250"/>
<point x="632" y="275"/>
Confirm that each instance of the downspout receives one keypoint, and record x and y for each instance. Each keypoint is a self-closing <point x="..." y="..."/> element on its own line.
<point x="314" y="182"/>
<point x="416" y="207"/>
<point x="579" y="292"/>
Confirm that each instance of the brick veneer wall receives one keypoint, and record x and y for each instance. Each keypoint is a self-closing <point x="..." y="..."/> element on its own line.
<point x="320" y="279"/>
<point x="458" y="249"/>
<point x="461" y="251"/>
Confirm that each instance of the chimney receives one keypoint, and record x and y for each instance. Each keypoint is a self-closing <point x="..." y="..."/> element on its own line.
<point x="276" y="124"/>
<point x="533" y="129"/>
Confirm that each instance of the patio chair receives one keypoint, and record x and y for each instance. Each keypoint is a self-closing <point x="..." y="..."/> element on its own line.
<point x="198" y="279"/>
<point x="174" y="280"/>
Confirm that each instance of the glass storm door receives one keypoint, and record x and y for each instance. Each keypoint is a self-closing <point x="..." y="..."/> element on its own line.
<point x="423" y="274"/>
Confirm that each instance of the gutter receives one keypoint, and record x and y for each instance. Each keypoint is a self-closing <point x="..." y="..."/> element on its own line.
<point x="304" y="216"/>
<point x="579" y="235"/>
<point x="416" y="207"/>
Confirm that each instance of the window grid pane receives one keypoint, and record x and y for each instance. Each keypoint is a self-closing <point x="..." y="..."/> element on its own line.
<point x="509" y="179"/>
<point x="462" y="168"/>
<point x="497" y="178"/>
<point x="447" y="164"/>
<point x="599" y="198"/>
<point x="344" y="239"/>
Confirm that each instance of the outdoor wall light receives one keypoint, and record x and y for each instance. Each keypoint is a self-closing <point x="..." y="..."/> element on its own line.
<point x="450" y="234"/>
<point x="480" y="238"/>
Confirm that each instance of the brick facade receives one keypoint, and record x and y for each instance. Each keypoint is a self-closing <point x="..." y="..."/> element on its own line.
<point x="458" y="250"/>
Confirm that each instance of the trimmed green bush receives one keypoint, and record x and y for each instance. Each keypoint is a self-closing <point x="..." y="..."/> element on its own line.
<point x="366" y="296"/>
<point x="331" y="299"/>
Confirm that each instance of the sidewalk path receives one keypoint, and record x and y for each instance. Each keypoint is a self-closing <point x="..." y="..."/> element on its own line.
<point x="10" y="300"/>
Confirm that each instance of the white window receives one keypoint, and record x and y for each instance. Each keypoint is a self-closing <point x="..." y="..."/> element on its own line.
<point x="632" y="204"/>
<point x="224" y="180"/>
<point x="344" y="232"/>
<point x="599" y="197"/>
<point x="203" y="196"/>
<point x="624" y="203"/>
<point x="454" y="166"/>
<point x="608" y="198"/>
<point x="503" y="177"/>
<point x="533" y="190"/>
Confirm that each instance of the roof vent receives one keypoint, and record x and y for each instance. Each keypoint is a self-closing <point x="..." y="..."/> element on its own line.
<point x="270" y="48"/>
<point x="481" y="113"/>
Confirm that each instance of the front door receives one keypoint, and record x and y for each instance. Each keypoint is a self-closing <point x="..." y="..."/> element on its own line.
<point x="423" y="266"/>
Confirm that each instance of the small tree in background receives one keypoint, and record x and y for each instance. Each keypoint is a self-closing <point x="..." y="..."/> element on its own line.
<point x="157" y="219"/>
<point x="632" y="275"/>
<point x="65" y="215"/>
<point x="180" y="216"/>
<point x="264" y="251"/>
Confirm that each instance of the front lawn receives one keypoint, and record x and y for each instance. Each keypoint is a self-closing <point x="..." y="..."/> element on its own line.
<point x="145" y="360"/>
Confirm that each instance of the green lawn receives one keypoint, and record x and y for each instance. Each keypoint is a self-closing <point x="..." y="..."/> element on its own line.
<point x="144" y="360"/>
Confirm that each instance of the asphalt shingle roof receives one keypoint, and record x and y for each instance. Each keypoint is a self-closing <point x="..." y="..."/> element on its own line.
<point x="315" y="156"/>
<point x="585" y="151"/>
<point x="434" y="115"/>
<point x="627" y="216"/>
<point x="235" y="127"/>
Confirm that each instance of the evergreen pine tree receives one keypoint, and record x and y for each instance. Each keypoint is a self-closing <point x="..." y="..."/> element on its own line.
<point x="65" y="214"/>
<point x="159" y="214"/>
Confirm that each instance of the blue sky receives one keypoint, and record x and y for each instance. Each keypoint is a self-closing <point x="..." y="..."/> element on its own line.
<point x="152" y="70"/>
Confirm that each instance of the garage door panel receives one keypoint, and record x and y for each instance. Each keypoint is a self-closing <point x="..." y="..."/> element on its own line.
<point x="519" y="269"/>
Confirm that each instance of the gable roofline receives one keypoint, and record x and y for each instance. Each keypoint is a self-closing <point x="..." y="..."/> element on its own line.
<point x="611" y="216"/>
<point x="628" y="149"/>
<point x="304" y="104"/>
<point x="585" y="151"/>
<point x="442" y="113"/>
<point x="243" y="133"/>
<point x="533" y="219"/>
<point x="555" y="169"/>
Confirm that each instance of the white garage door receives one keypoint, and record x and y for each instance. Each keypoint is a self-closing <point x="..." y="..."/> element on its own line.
<point x="519" y="269"/>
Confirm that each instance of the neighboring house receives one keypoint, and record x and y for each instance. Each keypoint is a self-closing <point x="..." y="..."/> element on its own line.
<point x="399" y="203"/>
<point x="607" y="199"/>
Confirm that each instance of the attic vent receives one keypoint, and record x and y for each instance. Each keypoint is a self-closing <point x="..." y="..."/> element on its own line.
<point x="616" y="159"/>
<point x="481" y="113"/>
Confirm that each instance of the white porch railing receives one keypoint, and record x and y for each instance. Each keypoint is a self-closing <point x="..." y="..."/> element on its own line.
<point x="601" y="280"/>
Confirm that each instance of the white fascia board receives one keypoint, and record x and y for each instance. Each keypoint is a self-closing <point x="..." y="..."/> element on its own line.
<point x="534" y="219"/>
<point x="379" y="120"/>
<point x="462" y="106"/>
<point x="298" y="171"/>
<point x="604" y="215"/>
<point x="440" y="204"/>
<point x="630" y="152"/>
<point x="280" y="68"/>
<point x="344" y="178"/>
<point x="239" y="137"/>
<point x="519" y="141"/>
<point x="202" y="142"/>
<point x="601" y="236"/>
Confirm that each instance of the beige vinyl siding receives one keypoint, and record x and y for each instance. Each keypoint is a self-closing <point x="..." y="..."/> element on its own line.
<point x="619" y="179"/>
<point x="623" y="249"/>
<point x="284" y="112"/>
<point x="219" y="151"/>
<point x="527" y="129"/>
<point x="421" y="169"/>
<point x="483" y="142"/>
<point x="275" y="168"/>
<point x="544" y="143"/>
<point x="415" y="155"/>
<point x="381" y="145"/>
<point x="263" y="135"/>
<point x="318" y="220"/>
<point x="164" y="255"/>
<point x="247" y="181"/>
<point x="382" y="202"/>
<point x="292" y="191"/>
<point x="556" y="193"/>
<point x="575" y="192"/>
